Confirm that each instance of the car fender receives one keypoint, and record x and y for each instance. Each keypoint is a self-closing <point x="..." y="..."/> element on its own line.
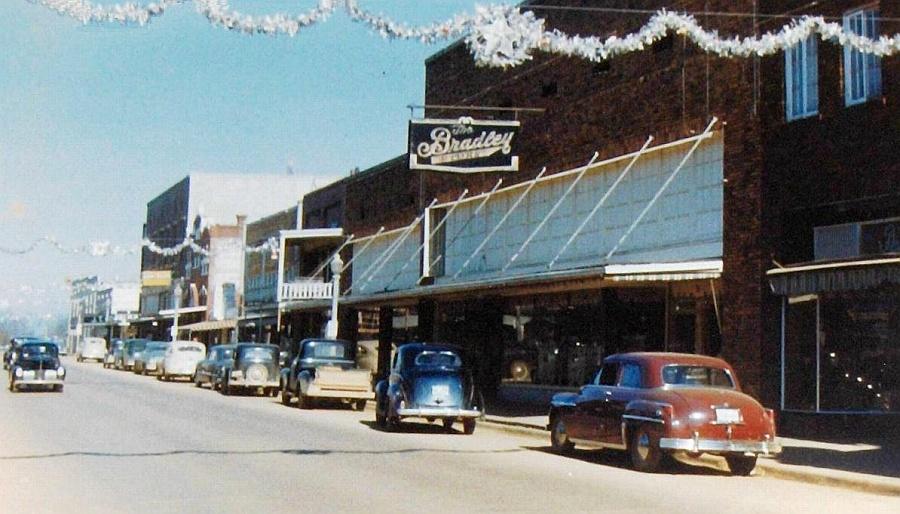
<point x="304" y="378"/>
<point x="380" y="395"/>
<point x="284" y="381"/>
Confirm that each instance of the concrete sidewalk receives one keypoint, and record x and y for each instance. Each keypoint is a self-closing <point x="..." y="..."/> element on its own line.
<point x="871" y="466"/>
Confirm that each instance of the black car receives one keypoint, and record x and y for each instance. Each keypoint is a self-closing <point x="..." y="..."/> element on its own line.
<point x="428" y="381"/>
<point x="36" y="364"/>
<point x="209" y="368"/>
<point x="10" y="348"/>
<point x="252" y="366"/>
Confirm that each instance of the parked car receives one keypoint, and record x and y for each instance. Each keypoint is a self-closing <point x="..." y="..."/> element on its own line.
<point x="147" y="361"/>
<point x="428" y="381"/>
<point x="252" y="366"/>
<point x="11" y="347"/>
<point x="181" y="360"/>
<point x="36" y="364"/>
<point x="131" y="350"/>
<point x="93" y="348"/>
<point x="115" y="348"/>
<point x="655" y="404"/>
<point x="208" y="369"/>
<point x="326" y="369"/>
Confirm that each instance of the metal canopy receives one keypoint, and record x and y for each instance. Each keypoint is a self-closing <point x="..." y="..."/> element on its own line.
<point x="834" y="276"/>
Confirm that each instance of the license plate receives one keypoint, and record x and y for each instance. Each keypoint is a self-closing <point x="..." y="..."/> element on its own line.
<point x="50" y="374"/>
<point x="28" y="374"/>
<point x="728" y="416"/>
<point x="440" y="391"/>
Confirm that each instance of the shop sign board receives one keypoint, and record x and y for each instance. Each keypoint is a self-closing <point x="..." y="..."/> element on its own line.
<point x="463" y="145"/>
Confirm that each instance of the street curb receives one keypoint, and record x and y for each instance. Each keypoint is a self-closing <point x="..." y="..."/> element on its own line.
<point x="765" y="467"/>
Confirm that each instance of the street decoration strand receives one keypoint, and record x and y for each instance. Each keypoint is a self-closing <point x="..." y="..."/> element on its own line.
<point x="106" y="248"/>
<point x="497" y="35"/>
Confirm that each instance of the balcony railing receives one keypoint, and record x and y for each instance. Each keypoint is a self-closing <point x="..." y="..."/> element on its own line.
<point x="305" y="291"/>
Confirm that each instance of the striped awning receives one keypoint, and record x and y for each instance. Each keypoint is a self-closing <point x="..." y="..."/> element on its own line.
<point x="834" y="276"/>
<point x="205" y="326"/>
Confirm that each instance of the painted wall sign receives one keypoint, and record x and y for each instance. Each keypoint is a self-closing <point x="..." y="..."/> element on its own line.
<point x="463" y="145"/>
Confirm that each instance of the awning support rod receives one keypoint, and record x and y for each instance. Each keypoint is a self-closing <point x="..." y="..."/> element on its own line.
<point x="502" y="221"/>
<point x="428" y="237"/>
<point x="363" y="249"/>
<point x="602" y="201"/>
<point x="552" y="211"/>
<point x="712" y="286"/>
<point x="328" y="260"/>
<point x="663" y="188"/>
<point x="466" y="224"/>
<point x="389" y="252"/>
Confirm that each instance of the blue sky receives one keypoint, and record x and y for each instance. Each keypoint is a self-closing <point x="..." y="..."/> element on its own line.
<point x="97" y="120"/>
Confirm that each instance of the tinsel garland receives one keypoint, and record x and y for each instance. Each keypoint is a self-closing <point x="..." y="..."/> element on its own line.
<point x="105" y="248"/>
<point x="497" y="35"/>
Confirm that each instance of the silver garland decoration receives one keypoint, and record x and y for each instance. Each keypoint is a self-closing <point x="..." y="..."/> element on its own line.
<point x="497" y="35"/>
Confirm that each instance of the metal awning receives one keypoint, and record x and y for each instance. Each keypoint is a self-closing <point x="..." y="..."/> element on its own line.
<point x="664" y="271"/>
<point x="205" y="326"/>
<point x="669" y="271"/>
<point x="834" y="276"/>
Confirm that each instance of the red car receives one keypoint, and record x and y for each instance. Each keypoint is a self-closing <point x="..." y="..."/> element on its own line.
<point x="655" y="404"/>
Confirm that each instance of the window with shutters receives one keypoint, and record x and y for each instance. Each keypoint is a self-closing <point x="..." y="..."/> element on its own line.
<point x="862" y="71"/>
<point x="801" y="79"/>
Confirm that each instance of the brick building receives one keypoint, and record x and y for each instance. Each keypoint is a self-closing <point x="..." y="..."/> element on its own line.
<point x="804" y="142"/>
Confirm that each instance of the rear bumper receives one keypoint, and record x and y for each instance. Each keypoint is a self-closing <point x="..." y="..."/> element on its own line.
<point x="242" y="382"/>
<point x="696" y="445"/>
<point x="438" y="412"/>
<point x="336" y="392"/>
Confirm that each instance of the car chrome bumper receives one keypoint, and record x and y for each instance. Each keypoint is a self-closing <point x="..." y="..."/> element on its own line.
<point x="720" y="446"/>
<point x="38" y="381"/>
<point x="439" y="412"/>
<point x="356" y="394"/>
<point x="240" y="382"/>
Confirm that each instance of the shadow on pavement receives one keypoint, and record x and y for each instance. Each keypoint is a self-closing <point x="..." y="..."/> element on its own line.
<point x="619" y="459"/>
<point x="417" y="427"/>
<point x="883" y="461"/>
<point x="286" y="451"/>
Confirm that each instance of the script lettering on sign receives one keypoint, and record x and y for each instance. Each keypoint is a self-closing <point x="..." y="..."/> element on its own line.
<point x="463" y="145"/>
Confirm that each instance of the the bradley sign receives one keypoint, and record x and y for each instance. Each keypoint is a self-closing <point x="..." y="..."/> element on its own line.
<point x="463" y="145"/>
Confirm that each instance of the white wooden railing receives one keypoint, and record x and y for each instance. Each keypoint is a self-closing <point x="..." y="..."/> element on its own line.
<point x="305" y="291"/>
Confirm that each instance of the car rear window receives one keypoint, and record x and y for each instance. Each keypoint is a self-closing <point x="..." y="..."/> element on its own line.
<point x="327" y="350"/>
<point x="700" y="376"/>
<point x="258" y="352"/>
<point x="443" y="359"/>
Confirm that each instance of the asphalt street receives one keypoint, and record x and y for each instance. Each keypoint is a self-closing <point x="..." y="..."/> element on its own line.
<point x="118" y="442"/>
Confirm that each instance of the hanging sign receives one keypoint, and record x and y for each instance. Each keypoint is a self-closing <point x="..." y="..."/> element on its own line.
<point x="463" y="145"/>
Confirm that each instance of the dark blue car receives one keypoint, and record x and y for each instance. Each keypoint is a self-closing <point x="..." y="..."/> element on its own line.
<point x="428" y="381"/>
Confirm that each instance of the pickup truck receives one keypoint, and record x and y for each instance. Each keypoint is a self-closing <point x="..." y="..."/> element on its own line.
<point x="325" y="369"/>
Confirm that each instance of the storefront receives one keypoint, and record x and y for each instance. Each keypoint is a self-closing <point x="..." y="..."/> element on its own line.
<point x="840" y="337"/>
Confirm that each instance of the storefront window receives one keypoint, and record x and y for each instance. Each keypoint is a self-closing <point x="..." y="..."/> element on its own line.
<point x="851" y="364"/>
<point x="800" y="354"/>
<point x="860" y="356"/>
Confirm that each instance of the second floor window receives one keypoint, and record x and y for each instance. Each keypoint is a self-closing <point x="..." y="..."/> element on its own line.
<point x="862" y="72"/>
<point x="801" y="79"/>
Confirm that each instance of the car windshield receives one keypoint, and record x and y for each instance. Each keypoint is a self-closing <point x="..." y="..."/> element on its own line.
<point x="258" y="353"/>
<point x="442" y="359"/>
<point x="699" y="376"/>
<point x="336" y="350"/>
<point x="30" y="351"/>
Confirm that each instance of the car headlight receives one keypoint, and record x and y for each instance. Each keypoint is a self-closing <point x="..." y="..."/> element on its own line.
<point x="19" y="372"/>
<point x="61" y="371"/>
